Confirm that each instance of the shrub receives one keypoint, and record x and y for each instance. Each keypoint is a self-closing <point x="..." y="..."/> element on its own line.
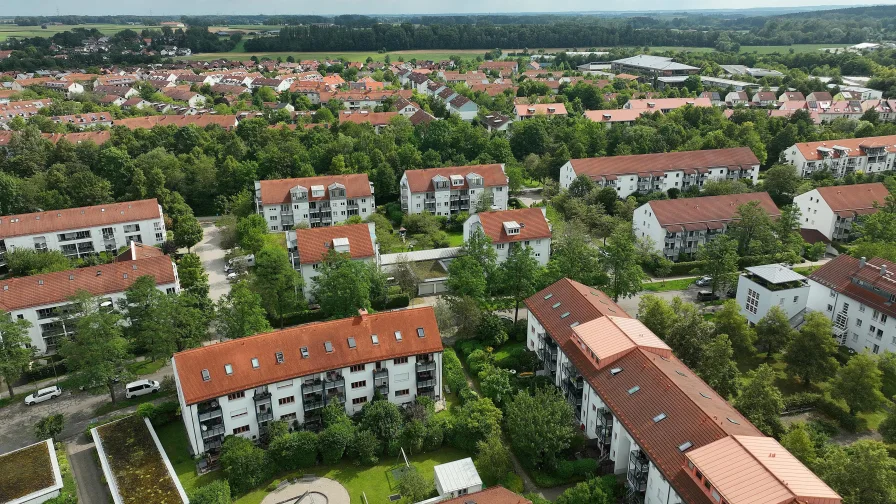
<point x="49" y="426"/>
<point x="838" y="413"/>
<point x="826" y="427"/>
<point x="294" y="450"/>
<point x="521" y="359"/>
<point x="146" y="410"/>
<point x="491" y="330"/>
<point x="469" y="346"/>
<point x="165" y="413"/>
<point x="217" y="492"/>
<point x="801" y="400"/>
<point x="685" y="268"/>
<point x="333" y="441"/>
<point x="167" y="386"/>
<point x="513" y="483"/>
<point x="479" y="360"/>
<point x="37" y="373"/>
<point x="245" y="465"/>
<point x="366" y="446"/>
<point x="576" y="469"/>
<point x="517" y="331"/>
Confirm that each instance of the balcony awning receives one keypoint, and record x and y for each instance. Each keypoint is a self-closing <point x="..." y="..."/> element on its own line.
<point x="695" y="226"/>
<point x="715" y="225"/>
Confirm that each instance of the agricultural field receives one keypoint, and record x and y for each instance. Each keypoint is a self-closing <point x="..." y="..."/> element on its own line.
<point x="10" y="30"/>
<point x="350" y="56"/>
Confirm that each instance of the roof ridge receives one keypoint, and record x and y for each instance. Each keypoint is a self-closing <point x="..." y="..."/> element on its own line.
<point x="758" y="461"/>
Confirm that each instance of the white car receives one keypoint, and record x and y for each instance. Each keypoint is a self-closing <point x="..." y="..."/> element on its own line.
<point x="141" y="387"/>
<point x="44" y="394"/>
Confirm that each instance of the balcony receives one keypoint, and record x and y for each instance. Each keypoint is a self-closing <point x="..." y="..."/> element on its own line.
<point x="426" y="383"/>
<point x="426" y="366"/>
<point x="262" y="395"/>
<point x="312" y="404"/>
<point x="264" y="416"/>
<point x="335" y="398"/>
<point x="211" y="432"/>
<point x="638" y="467"/>
<point x="380" y="373"/>
<point x="213" y="444"/>
<point x="334" y="383"/>
<point x="312" y="386"/>
<point x="427" y="393"/>
<point x="210" y="414"/>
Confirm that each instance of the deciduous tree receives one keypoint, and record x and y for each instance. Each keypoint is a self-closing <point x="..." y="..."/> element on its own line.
<point x="620" y="260"/>
<point x="717" y="368"/>
<point x="343" y="286"/>
<point x="729" y="321"/>
<point x="773" y="331"/>
<point x="760" y="401"/>
<point x="862" y="473"/>
<point x="858" y="383"/>
<point x="15" y="353"/>
<point x="719" y="261"/>
<point x="540" y="426"/>
<point x="520" y="275"/>
<point x="279" y="284"/>
<point x="239" y="313"/>
<point x="810" y="354"/>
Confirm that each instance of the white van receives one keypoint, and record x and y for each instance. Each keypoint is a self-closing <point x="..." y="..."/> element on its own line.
<point x="141" y="387"/>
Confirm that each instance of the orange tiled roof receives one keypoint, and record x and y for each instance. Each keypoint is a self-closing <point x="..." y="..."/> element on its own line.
<point x="52" y="221"/>
<point x="421" y="180"/>
<point x="720" y="209"/>
<point x="239" y="353"/>
<point x="275" y="192"/>
<point x="200" y="121"/>
<point x="546" y="109"/>
<point x="534" y="224"/>
<point x="314" y="243"/>
<point x="854" y="197"/>
<point x="362" y="117"/>
<point x="838" y="273"/>
<point x="492" y="495"/>
<point x="665" y="161"/>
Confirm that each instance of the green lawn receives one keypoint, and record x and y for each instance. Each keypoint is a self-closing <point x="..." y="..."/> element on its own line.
<point x="668" y="285"/>
<point x="435" y="55"/>
<point x="506" y="349"/>
<point x="146" y="367"/>
<point x="69" y="485"/>
<point x="122" y="403"/>
<point x="8" y="30"/>
<point x="806" y="270"/>
<point x="455" y="238"/>
<point x="784" y="49"/>
<point x="174" y="439"/>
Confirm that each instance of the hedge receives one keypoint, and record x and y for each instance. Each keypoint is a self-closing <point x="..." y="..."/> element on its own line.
<point x="37" y="373"/>
<point x="582" y="468"/>
<point x="839" y="413"/>
<point x="304" y="317"/>
<point x="454" y="373"/>
<point x="685" y="268"/>
<point x="801" y="401"/>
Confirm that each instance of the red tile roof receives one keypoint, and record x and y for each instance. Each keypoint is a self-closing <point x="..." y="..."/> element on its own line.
<point x="665" y="161"/>
<point x="809" y="150"/>
<point x="493" y="495"/>
<point x="615" y="115"/>
<point x="838" y="273"/>
<point x="854" y="197"/>
<point x="200" y="121"/>
<point x="533" y="222"/>
<point x="362" y="117"/>
<point x="78" y="218"/>
<point x="421" y="180"/>
<point x="238" y="353"/>
<point x="667" y="103"/>
<point x="717" y="209"/>
<point x="52" y="288"/>
<point x="275" y="192"/>
<point x="582" y="302"/>
<point x="558" y="109"/>
<point x="97" y="137"/>
<point x="314" y="243"/>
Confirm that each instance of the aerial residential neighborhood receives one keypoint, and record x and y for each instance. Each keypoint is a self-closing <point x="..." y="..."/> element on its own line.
<point x="413" y="254"/>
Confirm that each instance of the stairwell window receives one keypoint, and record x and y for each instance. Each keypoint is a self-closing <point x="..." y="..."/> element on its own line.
<point x="752" y="301"/>
<point x="858" y="322"/>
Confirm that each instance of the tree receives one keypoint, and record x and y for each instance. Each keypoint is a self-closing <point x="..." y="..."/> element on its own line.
<point x="382" y="418"/>
<point x="245" y="465"/>
<point x="594" y="491"/>
<point x="405" y="276"/>
<point x="466" y="278"/>
<point x="862" y="473"/>
<point x="887" y="365"/>
<point x="810" y="354"/>
<point x="27" y="262"/>
<point x="574" y="256"/>
<point x="493" y="459"/>
<point x="657" y="314"/>
<point x="187" y="232"/>
<point x="540" y="426"/>
<point x="781" y="181"/>
<point x="97" y="353"/>
<point x="799" y="443"/>
<point x="773" y="331"/>
<point x="216" y="492"/>
<point x="15" y="353"/>
<point x="343" y="286"/>
<point x="752" y="230"/>
<point x="192" y="275"/>
<point x="139" y="307"/>
<point x="49" y="427"/>
<point x="717" y="368"/>
<point x="581" y="186"/>
<point x="719" y="262"/>
<point x="239" y="313"/>
<point x="520" y="275"/>
<point x="278" y="281"/>
<point x="333" y="441"/>
<point x="729" y="321"/>
<point x="251" y="232"/>
<point x="760" y="401"/>
<point x="476" y="420"/>
<point x="496" y="384"/>
<point x="413" y="486"/>
<point x="294" y="450"/>
<point x="690" y="333"/>
<point x="620" y="260"/>
<point x="366" y="447"/>
<point x="887" y="427"/>
<point x="858" y="383"/>
<point x="662" y="268"/>
<point x="479" y="247"/>
<point x="491" y="330"/>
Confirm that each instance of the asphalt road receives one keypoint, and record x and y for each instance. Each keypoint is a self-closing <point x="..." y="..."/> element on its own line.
<point x="212" y="256"/>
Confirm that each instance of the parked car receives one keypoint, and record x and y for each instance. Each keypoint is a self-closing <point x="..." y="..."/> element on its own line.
<point x="141" y="387"/>
<point x="44" y="394"/>
<point x="706" y="295"/>
<point x="703" y="281"/>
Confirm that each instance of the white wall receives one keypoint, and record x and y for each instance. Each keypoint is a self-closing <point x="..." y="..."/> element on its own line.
<point x="815" y="213"/>
<point x="627" y="184"/>
<point x="792" y="301"/>
<point x="659" y="491"/>
<point x="646" y="225"/>
<point x="860" y="319"/>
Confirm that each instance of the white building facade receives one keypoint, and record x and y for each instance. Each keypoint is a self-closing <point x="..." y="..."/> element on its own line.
<point x="308" y="247"/>
<point x="317" y="201"/>
<point x="843" y="157"/>
<point x="762" y="287"/>
<point x="238" y="387"/>
<point x="449" y="191"/>
<point x="85" y="231"/>
<point x="507" y="229"/>
<point x="833" y="211"/>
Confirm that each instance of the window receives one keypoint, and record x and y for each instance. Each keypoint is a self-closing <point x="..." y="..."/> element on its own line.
<point x="236" y="395"/>
<point x="238" y="413"/>
<point x="240" y="430"/>
<point x="858" y="322"/>
<point x="359" y="400"/>
<point x="796" y="299"/>
<point x="273" y="217"/>
<point x="883" y="318"/>
<point x="861" y="308"/>
<point x="831" y="294"/>
<point x="358" y="367"/>
<point x="855" y="336"/>
<point x="830" y="308"/>
<point x="752" y="301"/>
<point x="359" y="384"/>
<point x="876" y="349"/>
<point x="255" y="363"/>
<point x="279" y="356"/>
<point x="499" y="246"/>
<point x="286" y="400"/>
<point x="205" y="375"/>
<point x="404" y="392"/>
<point x="871" y="329"/>
<point x="400" y="360"/>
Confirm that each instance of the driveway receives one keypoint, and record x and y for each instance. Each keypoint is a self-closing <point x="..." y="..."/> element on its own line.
<point x="86" y="470"/>
<point x="79" y="407"/>
<point x="212" y="256"/>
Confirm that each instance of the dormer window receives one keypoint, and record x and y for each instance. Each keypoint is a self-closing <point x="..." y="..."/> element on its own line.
<point x="512" y="228"/>
<point x="457" y="180"/>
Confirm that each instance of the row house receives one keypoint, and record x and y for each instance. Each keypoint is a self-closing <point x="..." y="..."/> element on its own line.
<point x="44" y="300"/>
<point x="463" y="107"/>
<point x="540" y="109"/>
<point x="82" y="121"/>
<point x="507" y="229"/>
<point x="844" y="156"/>
<point x="226" y="121"/>
<point x="678" y="227"/>
<point x="308" y="248"/>
<point x="644" y="173"/>
<point x="841" y="207"/>
<point x="123" y="91"/>
<point x="504" y="68"/>
<point x="317" y="201"/>
<point x="192" y="98"/>
<point x="451" y="190"/>
<point x="764" y="99"/>
<point x="886" y="109"/>
<point x="24" y="109"/>
<point x="378" y="120"/>
<point x="664" y="105"/>
<point x="277" y="85"/>
<point x="614" y="117"/>
<point x="648" y="418"/>
<point x="496" y="122"/>
<point x="85" y="231"/>
<point x="68" y="87"/>
<point x="238" y="387"/>
<point x="858" y="296"/>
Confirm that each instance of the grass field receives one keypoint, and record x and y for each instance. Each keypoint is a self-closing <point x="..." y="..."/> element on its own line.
<point x="669" y="285"/>
<point x="350" y="56"/>
<point x="8" y="30"/>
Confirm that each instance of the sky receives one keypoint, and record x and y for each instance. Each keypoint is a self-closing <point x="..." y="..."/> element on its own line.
<point x="227" y="7"/>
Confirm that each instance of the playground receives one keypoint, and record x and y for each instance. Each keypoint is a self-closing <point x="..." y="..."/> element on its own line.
<point x="309" y="490"/>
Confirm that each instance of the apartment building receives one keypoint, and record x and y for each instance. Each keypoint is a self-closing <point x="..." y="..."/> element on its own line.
<point x="651" y="66"/>
<point x="643" y="173"/>
<point x="237" y="387"/>
<point x="84" y="231"/>
<point x="43" y="299"/>
<point x="318" y="201"/>
<point x="858" y="296"/>
<point x="665" y="105"/>
<point x="451" y="190"/>
<point x="844" y="156"/>
<point x="526" y="227"/>
<point x="840" y="208"/>
<point x="762" y="287"/>
<point x="651" y="419"/>
<point x="308" y="248"/>
<point x="680" y="226"/>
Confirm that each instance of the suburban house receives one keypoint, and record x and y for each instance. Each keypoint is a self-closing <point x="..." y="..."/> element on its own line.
<point x="185" y="95"/>
<point x="43" y="299"/>
<point x="464" y="107"/>
<point x="540" y="109"/>
<point x="840" y="207"/>
<point x="378" y="120"/>
<point x="454" y="479"/>
<point x="39" y="478"/>
<point x="612" y="117"/>
<point x="643" y="173"/>
<point x="504" y="68"/>
<point x="680" y="226"/>
<point x="69" y="88"/>
<point x="857" y="295"/>
<point x="309" y="247"/>
<point x="654" y="422"/>
<point x="764" y="99"/>
<point x="736" y="98"/>
<point x="651" y="66"/>
<point x="84" y="231"/>
<point x="82" y="121"/>
<point x="236" y="387"/>
<point x="507" y="229"/>
<point x="418" y="81"/>
<point x="791" y="96"/>
<point x="844" y="156"/>
<point x="454" y="189"/>
<point x="228" y="121"/>
<point x="496" y="122"/>
<point x="762" y="287"/>
<point x="664" y="105"/>
<point x="319" y="201"/>
<point x="822" y="98"/>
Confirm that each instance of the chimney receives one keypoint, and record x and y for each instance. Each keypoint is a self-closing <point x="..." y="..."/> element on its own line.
<point x="883" y="270"/>
<point x="862" y="262"/>
<point x="362" y="313"/>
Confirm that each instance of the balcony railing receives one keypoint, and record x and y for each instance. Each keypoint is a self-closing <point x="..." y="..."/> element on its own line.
<point x="217" y="430"/>
<point x="312" y="405"/>
<point x="262" y="395"/>
<point x="426" y="366"/>
<point x="210" y="414"/>
<point x="264" y="416"/>
<point x="604" y="434"/>
<point x="312" y="386"/>
<point x="638" y="467"/>
<point x="383" y="389"/>
<point x="426" y="383"/>
<point x="427" y="393"/>
<point x="334" y="383"/>
<point x="213" y="444"/>
<point x="380" y="373"/>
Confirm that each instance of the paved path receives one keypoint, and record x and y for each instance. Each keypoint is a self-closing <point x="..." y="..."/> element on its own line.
<point x="82" y="458"/>
<point x="212" y="256"/>
<point x="333" y="492"/>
